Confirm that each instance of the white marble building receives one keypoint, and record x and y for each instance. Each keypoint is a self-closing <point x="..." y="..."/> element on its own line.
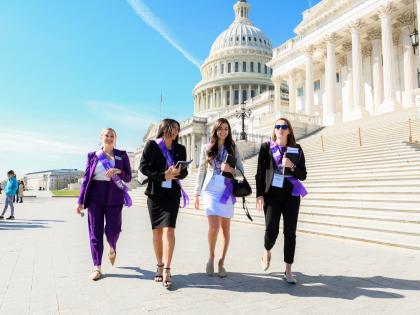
<point x="350" y="59"/>
<point x="235" y="73"/>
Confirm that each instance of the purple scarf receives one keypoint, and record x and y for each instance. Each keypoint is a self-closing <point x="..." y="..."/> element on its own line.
<point x="115" y="178"/>
<point x="217" y="163"/>
<point x="170" y="162"/>
<point x="278" y="153"/>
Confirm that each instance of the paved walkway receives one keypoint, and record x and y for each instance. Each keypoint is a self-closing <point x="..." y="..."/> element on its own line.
<point x="45" y="266"/>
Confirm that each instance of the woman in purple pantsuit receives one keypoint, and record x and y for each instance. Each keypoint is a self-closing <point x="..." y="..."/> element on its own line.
<point x="103" y="198"/>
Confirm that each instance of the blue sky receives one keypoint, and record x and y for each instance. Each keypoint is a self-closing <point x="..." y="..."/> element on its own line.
<point x="70" y="68"/>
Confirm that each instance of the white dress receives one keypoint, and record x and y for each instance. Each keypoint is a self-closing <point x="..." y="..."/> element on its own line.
<point x="212" y="195"/>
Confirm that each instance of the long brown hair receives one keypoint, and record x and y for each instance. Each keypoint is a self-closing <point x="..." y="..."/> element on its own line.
<point x="229" y="143"/>
<point x="291" y="141"/>
<point x="165" y="128"/>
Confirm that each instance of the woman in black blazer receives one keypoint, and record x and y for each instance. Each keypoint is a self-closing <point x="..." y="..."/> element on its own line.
<point x="279" y="190"/>
<point x="164" y="192"/>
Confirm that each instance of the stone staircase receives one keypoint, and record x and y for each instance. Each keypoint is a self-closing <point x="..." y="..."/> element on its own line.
<point x="367" y="193"/>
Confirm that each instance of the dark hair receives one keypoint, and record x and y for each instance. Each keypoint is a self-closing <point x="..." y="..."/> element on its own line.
<point x="229" y="143"/>
<point x="291" y="141"/>
<point x="165" y="128"/>
<point x="11" y="173"/>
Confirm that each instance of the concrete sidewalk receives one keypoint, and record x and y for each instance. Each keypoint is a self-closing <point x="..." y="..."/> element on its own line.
<point x="45" y="265"/>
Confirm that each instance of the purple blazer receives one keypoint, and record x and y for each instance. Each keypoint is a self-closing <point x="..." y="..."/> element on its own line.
<point x="116" y="195"/>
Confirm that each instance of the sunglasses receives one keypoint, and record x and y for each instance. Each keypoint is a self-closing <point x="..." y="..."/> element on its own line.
<point x="284" y="127"/>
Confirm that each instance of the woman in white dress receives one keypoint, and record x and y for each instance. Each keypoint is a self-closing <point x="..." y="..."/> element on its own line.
<point x="217" y="189"/>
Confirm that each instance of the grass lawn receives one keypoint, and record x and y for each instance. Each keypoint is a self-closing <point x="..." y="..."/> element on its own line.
<point x="66" y="193"/>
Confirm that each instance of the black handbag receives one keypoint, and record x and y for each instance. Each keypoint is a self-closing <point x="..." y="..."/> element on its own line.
<point x="241" y="188"/>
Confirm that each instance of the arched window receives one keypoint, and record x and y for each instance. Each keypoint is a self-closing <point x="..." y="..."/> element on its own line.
<point x="259" y="67"/>
<point x="236" y="66"/>
<point x="244" y="66"/>
<point x="251" y="66"/>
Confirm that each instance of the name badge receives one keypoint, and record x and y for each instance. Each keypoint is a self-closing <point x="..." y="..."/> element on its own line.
<point x="292" y="150"/>
<point x="219" y="180"/>
<point x="118" y="158"/>
<point x="167" y="184"/>
<point x="278" y="180"/>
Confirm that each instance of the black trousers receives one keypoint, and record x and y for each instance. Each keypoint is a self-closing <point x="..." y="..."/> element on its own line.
<point x="278" y="202"/>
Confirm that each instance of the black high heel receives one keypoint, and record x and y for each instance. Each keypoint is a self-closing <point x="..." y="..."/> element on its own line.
<point x="167" y="282"/>
<point x="158" y="275"/>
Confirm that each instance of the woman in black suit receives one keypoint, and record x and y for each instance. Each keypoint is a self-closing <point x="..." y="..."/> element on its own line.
<point x="279" y="191"/>
<point x="164" y="191"/>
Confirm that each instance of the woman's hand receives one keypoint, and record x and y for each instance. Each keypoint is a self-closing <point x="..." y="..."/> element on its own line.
<point x="197" y="202"/>
<point x="287" y="163"/>
<point x="171" y="173"/>
<point x="112" y="171"/>
<point x="226" y="168"/>
<point x="260" y="203"/>
<point x="79" y="209"/>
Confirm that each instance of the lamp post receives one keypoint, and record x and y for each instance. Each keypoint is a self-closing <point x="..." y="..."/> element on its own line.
<point x="243" y="113"/>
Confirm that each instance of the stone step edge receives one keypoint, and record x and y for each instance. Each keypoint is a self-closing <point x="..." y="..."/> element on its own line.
<point x="319" y="233"/>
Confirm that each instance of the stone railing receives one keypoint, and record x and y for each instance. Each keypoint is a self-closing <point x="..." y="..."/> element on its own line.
<point x="251" y="137"/>
<point x="193" y="120"/>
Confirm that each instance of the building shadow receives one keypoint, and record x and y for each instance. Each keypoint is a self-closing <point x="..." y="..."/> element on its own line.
<point x="140" y="274"/>
<point x="21" y="224"/>
<point x="335" y="287"/>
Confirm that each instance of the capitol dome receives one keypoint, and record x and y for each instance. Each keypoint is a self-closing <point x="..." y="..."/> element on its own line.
<point x="235" y="70"/>
<point x="242" y="33"/>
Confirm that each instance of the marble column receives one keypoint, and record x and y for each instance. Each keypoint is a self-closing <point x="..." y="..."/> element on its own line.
<point x="259" y="89"/>
<point x="222" y="97"/>
<point x="377" y="70"/>
<point x="387" y="52"/>
<point x="292" y="91"/>
<point x="408" y="58"/>
<point x="207" y="99"/>
<point x="213" y="99"/>
<point x="231" y="95"/>
<point x="309" y="80"/>
<point x="192" y="152"/>
<point x="240" y="94"/>
<point x="347" y="83"/>
<point x="330" y="82"/>
<point x="367" y="75"/>
<point x="418" y="28"/>
<point x="358" y="95"/>
<point x="188" y="146"/>
<point x="277" y="96"/>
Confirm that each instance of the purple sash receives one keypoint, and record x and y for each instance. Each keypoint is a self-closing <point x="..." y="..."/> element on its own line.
<point x="278" y="152"/>
<point x="170" y="162"/>
<point x="115" y="178"/>
<point x="227" y="181"/>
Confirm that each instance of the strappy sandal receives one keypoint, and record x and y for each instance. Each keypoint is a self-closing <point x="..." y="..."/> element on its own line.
<point x="167" y="282"/>
<point x="158" y="275"/>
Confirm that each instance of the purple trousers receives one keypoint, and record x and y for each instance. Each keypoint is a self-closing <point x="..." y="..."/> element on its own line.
<point x="103" y="218"/>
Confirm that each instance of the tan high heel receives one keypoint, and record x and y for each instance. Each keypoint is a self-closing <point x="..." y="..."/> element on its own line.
<point x="96" y="275"/>
<point x="112" y="256"/>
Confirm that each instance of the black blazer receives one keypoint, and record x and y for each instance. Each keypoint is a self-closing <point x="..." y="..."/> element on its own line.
<point x="153" y="165"/>
<point x="265" y="169"/>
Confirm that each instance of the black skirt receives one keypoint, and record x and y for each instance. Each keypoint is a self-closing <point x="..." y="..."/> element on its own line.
<point x="163" y="211"/>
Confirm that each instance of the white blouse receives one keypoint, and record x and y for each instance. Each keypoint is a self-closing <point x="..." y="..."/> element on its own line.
<point x="100" y="171"/>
